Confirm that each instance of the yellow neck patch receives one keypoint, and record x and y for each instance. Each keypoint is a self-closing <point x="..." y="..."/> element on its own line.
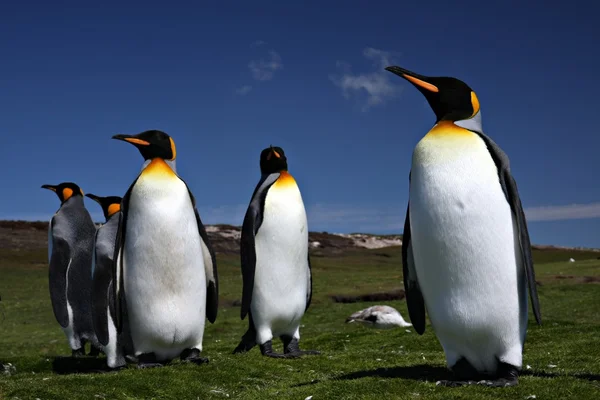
<point x="67" y="193"/>
<point x="113" y="209"/>
<point x="158" y="168"/>
<point x="285" y="180"/>
<point x="448" y="129"/>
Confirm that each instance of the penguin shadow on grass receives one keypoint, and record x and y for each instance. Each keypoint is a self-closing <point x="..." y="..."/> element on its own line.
<point x="432" y="374"/>
<point x="65" y="365"/>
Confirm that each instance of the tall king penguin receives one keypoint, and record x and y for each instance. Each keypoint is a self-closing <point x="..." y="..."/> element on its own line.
<point x="103" y="306"/>
<point x="466" y="253"/>
<point x="166" y="269"/>
<point x="274" y="259"/>
<point x="70" y="246"/>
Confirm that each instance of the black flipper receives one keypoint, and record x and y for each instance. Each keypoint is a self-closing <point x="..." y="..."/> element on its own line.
<point x="57" y="277"/>
<point x="252" y="222"/>
<point x="414" y="297"/>
<point x="210" y="266"/>
<point x="100" y="285"/>
<point x="117" y="263"/>
<point x="509" y="186"/>
<point x="309" y="292"/>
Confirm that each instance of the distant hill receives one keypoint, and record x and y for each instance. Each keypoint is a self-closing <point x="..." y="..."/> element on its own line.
<point x="225" y="238"/>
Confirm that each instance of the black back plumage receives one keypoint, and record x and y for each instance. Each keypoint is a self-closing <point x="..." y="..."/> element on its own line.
<point x="70" y="274"/>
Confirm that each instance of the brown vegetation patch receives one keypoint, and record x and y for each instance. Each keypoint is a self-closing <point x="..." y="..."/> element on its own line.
<point x="397" y="294"/>
<point x="578" y="278"/>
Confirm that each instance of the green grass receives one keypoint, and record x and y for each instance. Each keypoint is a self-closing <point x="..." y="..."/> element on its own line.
<point x="356" y="362"/>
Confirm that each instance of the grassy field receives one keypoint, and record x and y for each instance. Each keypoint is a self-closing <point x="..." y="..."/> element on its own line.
<point x="563" y="355"/>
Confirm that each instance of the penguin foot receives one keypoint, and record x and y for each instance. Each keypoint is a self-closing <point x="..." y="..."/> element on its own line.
<point x="130" y="358"/>
<point x="248" y="341"/>
<point x="193" y="356"/>
<point x="243" y="347"/>
<point x="291" y="348"/>
<point x="464" y="374"/>
<point x="80" y="352"/>
<point x="148" y="360"/>
<point x="267" y="350"/>
<point x="507" y="375"/>
<point x="464" y="371"/>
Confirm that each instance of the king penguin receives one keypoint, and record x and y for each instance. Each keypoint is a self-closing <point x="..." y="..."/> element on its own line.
<point x="466" y="252"/>
<point x="275" y="263"/>
<point x="103" y="308"/>
<point x="71" y="234"/>
<point x="165" y="266"/>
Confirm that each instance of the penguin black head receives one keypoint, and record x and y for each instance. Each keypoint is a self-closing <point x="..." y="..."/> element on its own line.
<point x="152" y="144"/>
<point x="65" y="190"/>
<point x="450" y="99"/>
<point x="272" y="159"/>
<point x="110" y="204"/>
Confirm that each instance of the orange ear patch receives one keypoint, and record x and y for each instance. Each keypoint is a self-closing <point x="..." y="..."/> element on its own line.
<point x="114" y="208"/>
<point x="173" y="149"/>
<point x="474" y="103"/>
<point x="423" y="84"/>
<point x="67" y="193"/>
<point x="137" y="141"/>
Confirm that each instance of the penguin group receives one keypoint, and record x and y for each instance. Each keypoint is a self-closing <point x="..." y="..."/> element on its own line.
<point x="141" y="286"/>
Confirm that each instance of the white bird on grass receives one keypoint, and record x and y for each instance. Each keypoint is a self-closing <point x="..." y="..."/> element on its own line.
<point x="380" y="317"/>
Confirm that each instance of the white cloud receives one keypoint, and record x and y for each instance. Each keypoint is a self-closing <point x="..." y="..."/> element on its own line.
<point x="264" y="70"/>
<point x="376" y="85"/>
<point x="258" y="43"/>
<point x="381" y="217"/>
<point x="345" y="218"/>
<point x="244" y="90"/>
<point x="566" y="212"/>
<point x="376" y="218"/>
<point x="328" y="217"/>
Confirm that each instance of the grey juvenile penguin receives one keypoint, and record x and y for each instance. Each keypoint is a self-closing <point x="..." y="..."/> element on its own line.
<point x="70" y="246"/>
<point x="115" y="346"/>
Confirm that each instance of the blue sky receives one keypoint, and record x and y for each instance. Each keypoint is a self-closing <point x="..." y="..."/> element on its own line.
<point x="226" y="81"/>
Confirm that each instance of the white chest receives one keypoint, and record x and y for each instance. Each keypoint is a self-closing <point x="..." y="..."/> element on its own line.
<point x="458" y="210"/>
<point x="281" y="274"/>
<point x="162" y="240"/>
<point x="283" y="235"/>
<point x="463" y="237"/>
